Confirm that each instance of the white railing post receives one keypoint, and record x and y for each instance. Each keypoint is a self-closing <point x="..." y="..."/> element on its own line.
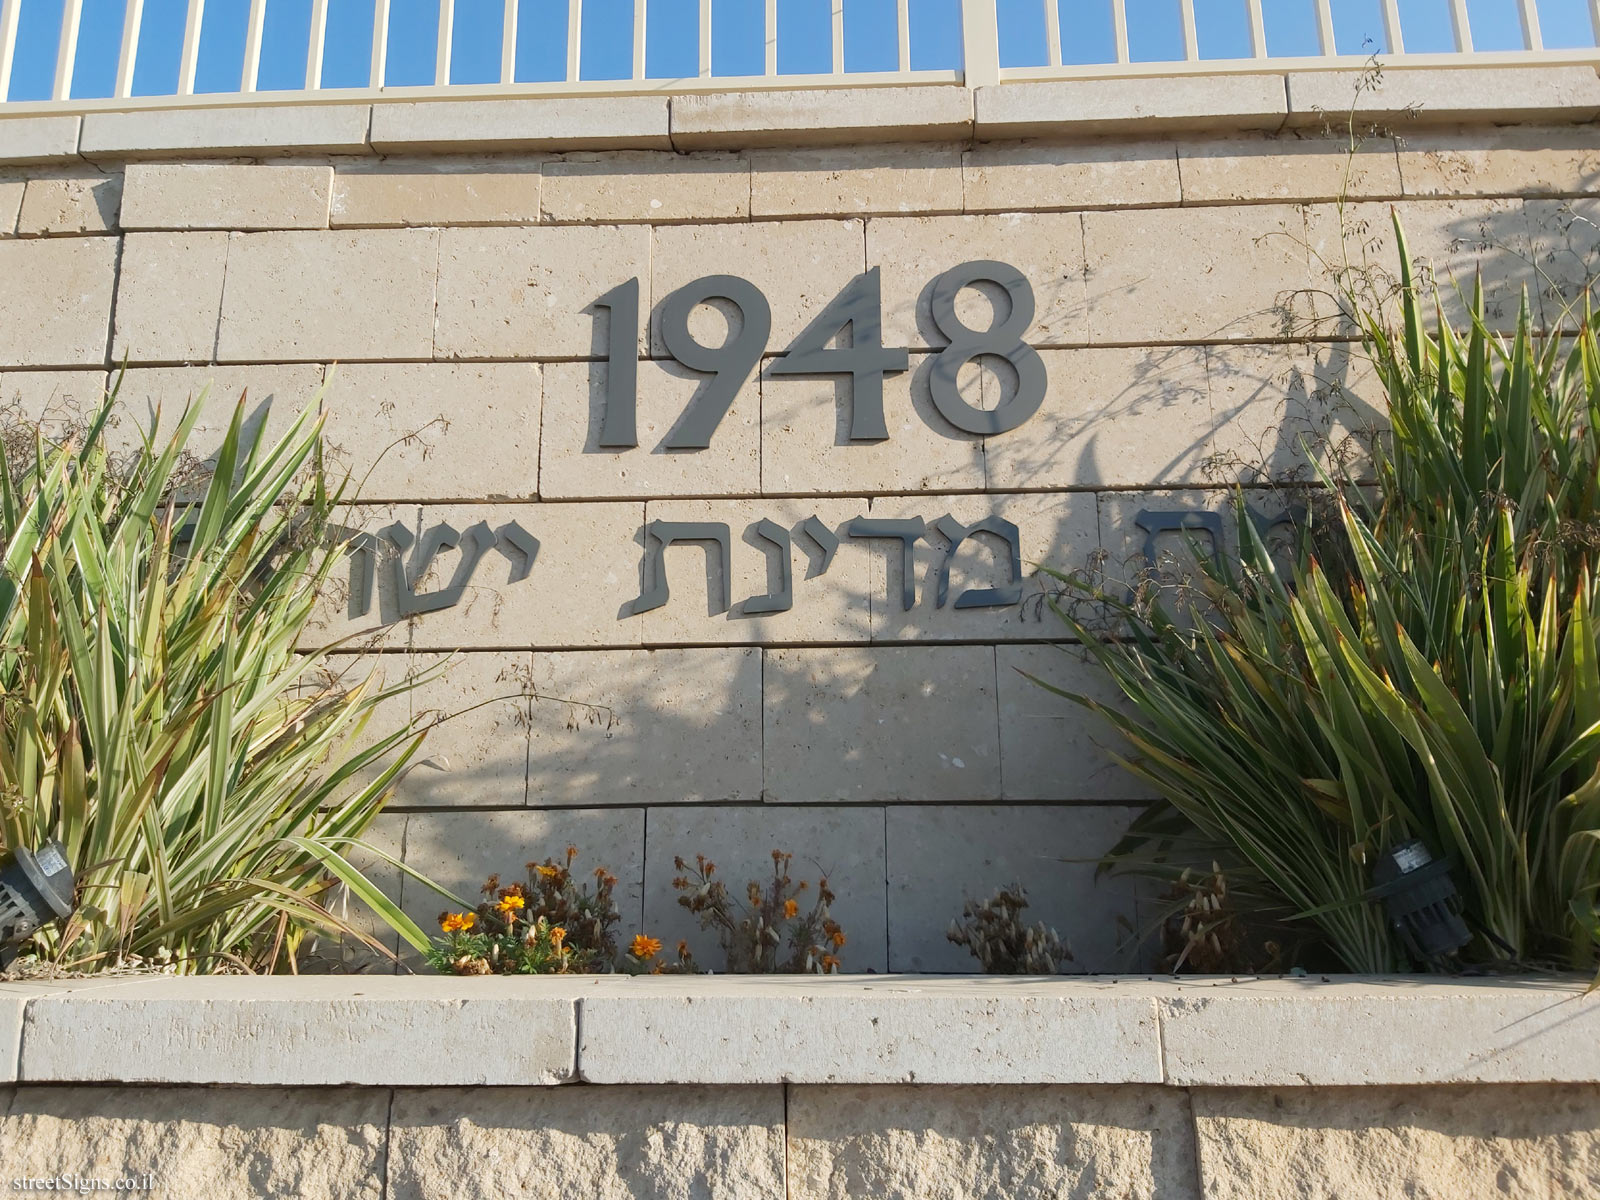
<point x="67" y="48"/>
<point x="1258" y="29"/>
<point x="1052" y="32"/>
<point x="189" y="63"/>
<point x="1594" y="19"/>
<point x="1392" y="33"/>
<point x="640" y="27"/>
<point x="980" y="43"/>
<point x="380" y="43"/>
<point x="508" y="42"/>
<point x="10" y="10"/>
<point x="574" y="38"/>
<point x="447" y="28"/>
<point x="902" y="32"/>
<point x="128" y="52"/>
<point x="1532" y="35"/>
<point x="1119" y="29"/>
<point x="770" y="28"/>
<point x="705" y="39"/>
<point x="1325" y="40"/>
<point x="315" y="44"/>
<point x="1461" y="25"/>
<point x="251" y="74"/>
<point x="1191" y="36"/>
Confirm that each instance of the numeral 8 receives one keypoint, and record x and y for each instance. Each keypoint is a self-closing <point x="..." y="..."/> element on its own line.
<point x="1003" y="339"/>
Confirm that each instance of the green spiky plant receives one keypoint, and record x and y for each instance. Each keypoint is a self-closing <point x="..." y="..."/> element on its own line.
<point x="156" y="713"/>
<point x="1425" y="663"/>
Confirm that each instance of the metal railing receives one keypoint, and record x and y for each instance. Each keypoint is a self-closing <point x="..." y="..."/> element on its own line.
<point x="978" y="57"/>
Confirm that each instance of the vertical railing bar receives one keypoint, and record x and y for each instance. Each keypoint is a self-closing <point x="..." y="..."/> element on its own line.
<point x="316" y="43"/>
<point x="1532" y="35"/>
<point x="574" y="37"/>
<point x="1191" y="37"/>
<point x="1325" y="39"/>
<point x="10" y="10"/>
<point x="380" y="43"/>
<point x="251" y="74"/>
<point x="705" y="39"/>
<point x="190" y="62"/>
<point x="902" y="31"/>
<point x="508" y="42"/>
<point x="1052" y="32"/>
<point x="1258" y="29"/>
<point x="1119" y="28"/>
<point x="837" y="37"/>
<point x="770" y="28"/>
<point x="1594" y="19"/>
<point x="1461" y="24"/>
<point x="1392" y="33"/>
<point x="441" y="45"/>
<point x="128" y="54"/>
<point x="640" y="26"/>
<point x="67" y="48"/>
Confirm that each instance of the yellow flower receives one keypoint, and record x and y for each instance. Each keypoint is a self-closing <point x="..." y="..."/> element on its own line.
<point x="557" y="936"/>
<point x="548" y="871"/>
<point x="645" y="947"/>
<point x="790" y="908"/>
<point x="511" y="903"/>
<point x="455" y="921"/>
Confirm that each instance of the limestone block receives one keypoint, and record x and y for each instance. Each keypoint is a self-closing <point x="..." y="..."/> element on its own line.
<point x="855" y="181"/>
<point x="806" y="446"/>
<point x="913" y="251"/>
<point x="13" y="183"/>
<point x="549" y="123"/>
<point x="645" y="185"/>
<point x="436" y="431"/>
<point x="650" y="1143"/>
<point x="1289" y="166"/>
<point x="308" y="296"/>
<point x="80" y="200"/>
<point x="38" y="139"/>
<point x="169" y="296"/>
<point x="12" y="1004"/>
<point x="830" y="116"/>
<point x="942" y="857"/>
<point x="1566" y="253"/>
<point x="226" y="196"/>
<point x="475" y="710"/>
<point x="54" y="400"/>
<point x="1055" y="530"/>
<point x="831" y="600"/>
<point x="645" y="727"/>
<point x="1111" y="418"/>
<point x="799" y="266"/>
<point x="914" y="723"/>
<point x="344" y="613"/>
<point x="527" y="293"/>
<point x="573" y="464"/>
<point x="843" y="845"/>
<point x="151" y="402"/>
<point x="1479" y="95"/>
<point x="1429" y="1143"/>
<point x="55" y="301"/>
<point x="1007" y="176"/>
<point x="321" y="1144"/>
<point x="1193" y="274"/>
<point x="222" y="131"/>
<point x="1556" y="160"/>
<point x="420" y="192"/>
<point x="906" y="1143"/>
<point x="585" y="572"/>
<point x="1077" y="106"/>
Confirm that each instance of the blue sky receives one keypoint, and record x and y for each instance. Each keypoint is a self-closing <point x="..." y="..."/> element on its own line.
<point x="736" y="37"/>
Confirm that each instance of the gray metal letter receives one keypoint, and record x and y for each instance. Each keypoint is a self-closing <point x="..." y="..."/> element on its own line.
<point x="825" y="540"/>
<point x="728" y="365"/>
<point x="906" y="533"/>
<point x="955" y="532"/>
<point x="780" y="598"/>
<point x="660" y="535"/>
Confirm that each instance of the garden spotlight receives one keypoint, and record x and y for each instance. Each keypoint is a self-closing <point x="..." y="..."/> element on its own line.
<point x="35" y="889"/>
<point x="1421" y="901"/>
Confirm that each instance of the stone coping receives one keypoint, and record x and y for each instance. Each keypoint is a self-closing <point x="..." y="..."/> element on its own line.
<point x="934" y="111"/>
<point x="412" y="1031"/>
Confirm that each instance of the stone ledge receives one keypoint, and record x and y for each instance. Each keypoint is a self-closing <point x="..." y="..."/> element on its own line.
<point x="1069" y="108"/>
<point x="433" y="1031"/>
<point x="1457" y="95"/>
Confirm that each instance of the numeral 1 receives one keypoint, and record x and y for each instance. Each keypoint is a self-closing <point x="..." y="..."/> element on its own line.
<point x="618" y="425"/>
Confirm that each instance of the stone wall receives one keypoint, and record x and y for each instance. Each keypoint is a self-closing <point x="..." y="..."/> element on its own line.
<point x="1183" y="318"/>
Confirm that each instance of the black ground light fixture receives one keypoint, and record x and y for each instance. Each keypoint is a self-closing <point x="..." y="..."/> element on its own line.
<point x="35" y="888"/>
<point x="1421" y="900"/>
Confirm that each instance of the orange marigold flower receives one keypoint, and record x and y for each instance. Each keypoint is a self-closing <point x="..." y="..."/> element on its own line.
<point x="454" y="921"/>
<point x="838" y="938"/>
<point x="557" y="936"/>
<point x="791" y="908"/>
<point x="511" y="903"/>
<point x="830" y="963"/>
<point x="645" y="947"/>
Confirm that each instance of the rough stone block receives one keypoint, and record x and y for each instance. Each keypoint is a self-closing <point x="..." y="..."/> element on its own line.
<point x="475" y="710"/>
<point x="169" y="296"/>
<point x="573" y="464"/>
<point x="424" y="192"/>
<point x="855" y="181"/>
<point x="225" y="196"/>
<point x="223" y="131"/>
<point x="627" y="185"/>
<point x="843" y="845"/>
<point x="906" y="1143"/>
<point x="799" y="266"/>
<point x="436" y="431"/>
<point x="1111" y="418"/>
<point x="54" y="400"/>
<point x="1196" y="274"/>
<point x="830" y="602"/>
<point x="13" y="183"/>
<point x="13" y="1000"/>
<point x="914" y="723"/>
<point x="1263" y="169"/>
<point x="317" y="1143"/>
<point x="831" y="116"/>
<point x="55" y="301"/>
<point x="320" y="296"/>
<point x="151" y="402"/>
<point x="1485" y="95"/>
<point x="1562" y="160"/>
<point x="1079" y="106"/>
<point x="38" y="139"/>
<point x="1565" y="248"/>
<point x="80" y="200"/>
<point x="550" y="123"/>
<point x="806" y="446"/>
<point x="1008" y="176"/>
<point x="1321" y="1143"/>
<point x="645" y="727"/>
<point x="527" y="293"/>
<point x="654" y="1143"/>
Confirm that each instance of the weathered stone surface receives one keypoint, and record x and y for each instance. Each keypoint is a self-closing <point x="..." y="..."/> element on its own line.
<point x="1487" y="95"/>
<point x="1565" y="247"/>
<point x="549" y="123"/>
<point x="912" y="251"/>
<point x="53" y="400"/>
<point x="645" y="727"/>
<point x="12" y="1003"/>
<point x="38" y="139"/>
<point x="1560" y="160"/>
<point x="997" y="1143"/>
<point x="855" y="181"/>
<point x="573" y="464"/>
<point x="1196" y="274"/>
<point x="799" y="266"/>
<point x="608" y="1143"/>
<point x="845" y="846"/>
<point x="1079" y="106"/>
<point x="225" y="196"/>
<point x="806" y="446"/>
<point x="436" y="431"/>
<point x="1264" y="169"/>
<point x="55" y="301"/>
<point x="429" y="192"/>
<point x="13" y="183"/>
<point x="881" y="723"/>
<point x="475" y="710"/>
<point x="527" y="293"/>
<point x="317" y="1143"/>
<point x="169" y="296"/>
<point x="223" y="131"/>
<point x="79" y="200"/>
<point x="338" y="614"/>
<point x="1435" y="1143"/>
<point x="829" y="116"/>
<point x="1007" y="176"/>
<point x="642" y="185"/>
<point x="320" y="296"/>
<point x="294" y="1031"/>
<point x="151" y="401"/>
